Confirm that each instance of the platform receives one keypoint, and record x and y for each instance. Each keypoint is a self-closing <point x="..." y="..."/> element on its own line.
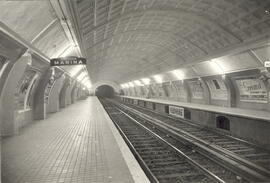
<point x="246" y="113"/>
<point x="78" y="144"/>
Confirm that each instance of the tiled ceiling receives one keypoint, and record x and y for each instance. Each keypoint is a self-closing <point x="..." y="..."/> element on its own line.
<point x="128" y="39"/>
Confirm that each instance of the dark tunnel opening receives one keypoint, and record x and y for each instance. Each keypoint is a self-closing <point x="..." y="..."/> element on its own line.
<point x="105" y="91"/>
<point x="223" y="122"/>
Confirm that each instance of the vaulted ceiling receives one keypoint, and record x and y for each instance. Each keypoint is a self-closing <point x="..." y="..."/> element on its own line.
<point x="128" y="39"/>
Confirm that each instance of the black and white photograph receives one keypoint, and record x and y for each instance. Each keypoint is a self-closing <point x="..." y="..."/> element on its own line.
<point x="135" y="91"/>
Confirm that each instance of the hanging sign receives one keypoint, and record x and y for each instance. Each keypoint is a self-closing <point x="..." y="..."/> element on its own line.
<point x="252" y="90"/>
<point x="68" y="61"/>
<point x="176" y="111"/>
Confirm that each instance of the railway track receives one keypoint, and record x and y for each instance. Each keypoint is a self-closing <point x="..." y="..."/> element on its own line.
<point x="165" y="158"/>
<point x="209" y="141"/>
<point x="256" y="155"/>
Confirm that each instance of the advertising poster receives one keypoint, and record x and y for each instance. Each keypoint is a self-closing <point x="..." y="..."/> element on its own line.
<point x="181" y="93"/>
<point x="252" y="90"/>
<point x="24" y="86"/>
<point x="161" y="92"/>
<point x="157" y="90"/>
<point x="217" y="89"/>
<point x="137" y="90"/>
<point x="154" y="90"/>
<point x="172" y="90"/>
<point x="48" y="90"/>
<point x="196" y="89"/>
<point x="147" y="91"/>
<point x="142" y="90"/>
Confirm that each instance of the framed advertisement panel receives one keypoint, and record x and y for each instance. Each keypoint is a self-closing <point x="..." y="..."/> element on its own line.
<point x="217" y="89"/>
<point x="252" y="90"/>
<point x="196" y="89"/>
<point x="180" y="90"/>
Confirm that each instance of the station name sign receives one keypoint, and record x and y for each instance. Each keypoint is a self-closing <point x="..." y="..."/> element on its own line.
<point x="68" y="61"/>
<point x="267" y="63"/>
<point x="177" y="111"/>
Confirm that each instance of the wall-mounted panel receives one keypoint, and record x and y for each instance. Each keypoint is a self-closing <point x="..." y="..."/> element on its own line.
<point x="171" y="90"/>
<point x="252" y="89"/>
<point x="53" y="103"/>
<point x="179" y="91"/>
<point x="219" y="94"/>
<point x="196" y="89"/>
<point x="25" y="89"/>
<point x="217" y="89"/>
<point x="158" y="91"/>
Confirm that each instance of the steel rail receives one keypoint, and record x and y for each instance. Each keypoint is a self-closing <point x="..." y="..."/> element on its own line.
<point x="144" y="166"/>
<point x="192" y="123"/>
<point x="201" y="168"/>
<point x="253" y="171"/>
<point x="206" y="172"/>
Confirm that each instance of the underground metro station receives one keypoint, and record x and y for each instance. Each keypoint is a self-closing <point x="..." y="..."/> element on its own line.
<point x="135" y="91"/>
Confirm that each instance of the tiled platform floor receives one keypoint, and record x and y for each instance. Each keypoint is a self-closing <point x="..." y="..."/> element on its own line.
<point x="73" y="145"/>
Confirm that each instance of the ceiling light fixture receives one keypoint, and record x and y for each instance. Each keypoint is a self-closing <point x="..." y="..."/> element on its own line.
<point x="158" y="78"/>
<point x="131" y="84"/>
<point x="216" y="67"/>
<point x="178" y="74"/>
<point x="126" y="85"/>
<point x="138" y="83"/>
<point x="146" y="81"/>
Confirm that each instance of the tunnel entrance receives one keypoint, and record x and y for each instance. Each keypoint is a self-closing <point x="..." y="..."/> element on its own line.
<point x="223" y="122"/>
<point x="187" y="114"/>
<point x="104" y="91"/>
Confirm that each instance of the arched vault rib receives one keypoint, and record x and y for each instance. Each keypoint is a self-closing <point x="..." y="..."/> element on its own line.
<point x="196" y="16"/>
<point x="147" y="31"/>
